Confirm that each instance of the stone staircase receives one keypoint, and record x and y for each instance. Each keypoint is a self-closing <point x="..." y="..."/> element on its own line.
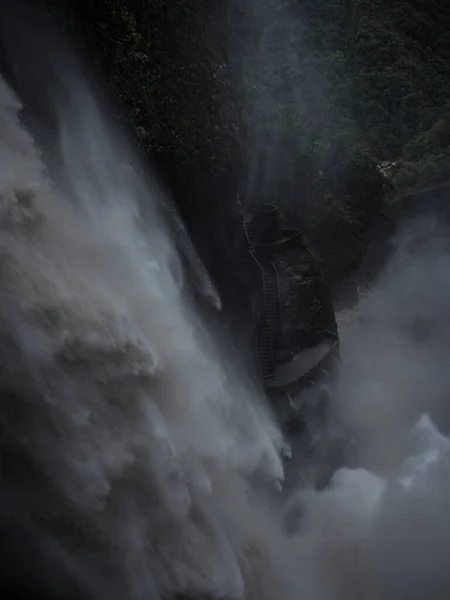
<point x="264" y="338"/>
<point x="249" y="235"/>
<point x="264" y="353"/>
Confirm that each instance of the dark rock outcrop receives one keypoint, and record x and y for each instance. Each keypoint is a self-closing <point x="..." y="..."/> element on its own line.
<point x="293" y="331"/>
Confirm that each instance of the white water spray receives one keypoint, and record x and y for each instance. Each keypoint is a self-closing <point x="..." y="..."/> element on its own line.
<point x="129" y="411"/>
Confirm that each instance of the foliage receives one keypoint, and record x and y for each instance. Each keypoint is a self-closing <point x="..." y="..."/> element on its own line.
<point x="425" y="159"/>
<point x="297" y="102"/>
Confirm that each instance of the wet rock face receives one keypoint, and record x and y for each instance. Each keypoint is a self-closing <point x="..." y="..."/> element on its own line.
<point x="281" y="288"/>
<point x="301" y="278"/>
<point x="309" y="292"/>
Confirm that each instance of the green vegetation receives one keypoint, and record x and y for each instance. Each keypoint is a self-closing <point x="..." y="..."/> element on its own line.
<point x="330" y="108"/>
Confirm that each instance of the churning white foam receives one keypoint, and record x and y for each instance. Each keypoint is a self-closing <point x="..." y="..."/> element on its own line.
<point x="129" y="410"/>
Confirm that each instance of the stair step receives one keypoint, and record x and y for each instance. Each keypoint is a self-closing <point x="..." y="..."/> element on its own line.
<point x="271" y="302"/>
<point x="248" y="233"/>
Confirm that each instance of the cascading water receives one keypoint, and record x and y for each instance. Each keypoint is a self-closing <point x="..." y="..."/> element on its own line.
<point x="118" y="412"/>
<point x="127" y="439"/>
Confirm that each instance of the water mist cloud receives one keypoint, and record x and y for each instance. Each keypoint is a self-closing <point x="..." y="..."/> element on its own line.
<point x="395" y="369"/>
<point x="282" y="87"/>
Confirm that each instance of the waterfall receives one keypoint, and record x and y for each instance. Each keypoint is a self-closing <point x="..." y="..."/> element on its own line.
<point x="121" y="417"/>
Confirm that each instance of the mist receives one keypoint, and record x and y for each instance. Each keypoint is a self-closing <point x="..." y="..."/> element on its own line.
<point x="281" y="82"/>
<point x="392" y="389"/>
